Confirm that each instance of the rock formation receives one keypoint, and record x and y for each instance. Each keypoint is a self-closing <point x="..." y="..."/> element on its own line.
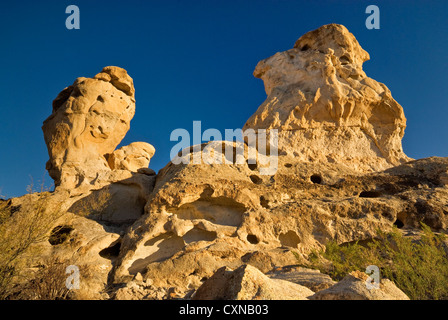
<point x="353" y="287"/>
<point x="248" y="283"/>
<point x="326" y="109"/>
<point x="208" y="231"/>
<point x="89" y="120"/>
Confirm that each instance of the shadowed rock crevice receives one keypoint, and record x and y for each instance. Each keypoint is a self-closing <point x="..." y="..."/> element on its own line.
<point x="220" y="210"/>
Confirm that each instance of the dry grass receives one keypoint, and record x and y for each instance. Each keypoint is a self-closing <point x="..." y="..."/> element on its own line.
<point x="21" y="230"/>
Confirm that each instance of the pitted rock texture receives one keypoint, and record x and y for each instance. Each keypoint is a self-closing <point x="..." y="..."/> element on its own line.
<point x="89" y="120"/>
<point x="340" y="175"/>
<point x="325" y="107"/>
<point x="131" y="157"/>
<point x="248" y="283"/>
<point x="202" y="217"/>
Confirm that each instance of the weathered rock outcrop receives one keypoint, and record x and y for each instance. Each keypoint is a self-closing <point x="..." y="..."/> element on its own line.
<point x="310" y="278"/>
<point x="196" y="221"/>
<point x="340" y="175"/>
<point x="325" y="107"/>
<point x="248" y="283"/>
<point x="89" y="120"/>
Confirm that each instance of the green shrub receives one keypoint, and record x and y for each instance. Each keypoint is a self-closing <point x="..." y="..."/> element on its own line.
<point x="419" y="267"/>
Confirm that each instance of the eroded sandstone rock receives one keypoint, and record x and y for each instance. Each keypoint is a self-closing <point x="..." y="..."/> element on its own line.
<point x="89" y="120"/>
<point x="248" y="283"/>
<point x="340" y="175"/>
<point x="325" y="107"/>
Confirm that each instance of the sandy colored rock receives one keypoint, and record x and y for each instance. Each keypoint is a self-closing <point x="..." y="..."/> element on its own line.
<point x="132" y="157"/>
<point x="310" y="278"/>
<point x="72" y="240"/>
<point x="353" y="287"/>
<point x="340" y="175"/>
<point x="120" y="202"/>
<point x="249" y="283"/>
<point x="196" y="222"/>
<point x="325" y="107"/>
<point x="89" y="120"/>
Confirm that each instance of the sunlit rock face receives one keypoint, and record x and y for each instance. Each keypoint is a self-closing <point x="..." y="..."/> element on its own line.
<point x="325" y="107"/>
<point x="90" y="118"/>
<point x="203" y="229"/>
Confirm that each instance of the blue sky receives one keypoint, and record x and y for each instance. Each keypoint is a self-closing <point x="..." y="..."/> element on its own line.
<point x="193" y="60"/>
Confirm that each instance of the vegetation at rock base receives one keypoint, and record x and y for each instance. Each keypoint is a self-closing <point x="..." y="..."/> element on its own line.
<point x="419" y="267"/>
<point x="22" y="228"/>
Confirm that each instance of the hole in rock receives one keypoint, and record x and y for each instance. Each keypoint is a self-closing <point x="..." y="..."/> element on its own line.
<point x="370" y="194"/>
<point x="305" y="47"/>
<point x="289" y="239"/>
<point x="399" y="223"/>
<point x="59" y="234"/>
<point x="288" y="165"/>
<point x="219" y="210"/>
<point x="422" y="207"/>
<point x="315" y="178"/>
<point x="355" y="76"/>
<point x="111" y="252"/>
<point x="252" y="166"/>
<point x="196" y="234"/>
<point x="256" y="179"/>
<point x="344" y="60"/>
<point x="204" y="279"/>
<point x="195" y="271"/>
<point x="264" y="203"/>
<point x="252" y="239"/>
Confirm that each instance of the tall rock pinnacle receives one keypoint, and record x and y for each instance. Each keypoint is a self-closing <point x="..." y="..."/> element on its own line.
<point x="89" y="120"/>
<point x="325" y="107"/>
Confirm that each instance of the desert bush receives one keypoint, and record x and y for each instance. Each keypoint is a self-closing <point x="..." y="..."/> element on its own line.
<point x="419" y="267"/>
<point x="46" y="282"/>
<point x="21" y="230"/>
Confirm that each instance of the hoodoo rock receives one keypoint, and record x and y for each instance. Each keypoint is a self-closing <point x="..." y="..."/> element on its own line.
<point x="232" y="229"/>
<point x="325" y="107"/>
<point x="89" y="120"/>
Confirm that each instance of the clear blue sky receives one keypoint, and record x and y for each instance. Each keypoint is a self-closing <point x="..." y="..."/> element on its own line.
<point x="193" y="60"/>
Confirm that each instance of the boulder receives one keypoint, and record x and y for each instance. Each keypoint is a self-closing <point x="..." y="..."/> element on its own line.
<point x="353" y="287"/>
<point x="248" y="283"/>
<point x="214" y="227"/>
<point x="310" y="278"/>
<point x="132" y="157"/>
